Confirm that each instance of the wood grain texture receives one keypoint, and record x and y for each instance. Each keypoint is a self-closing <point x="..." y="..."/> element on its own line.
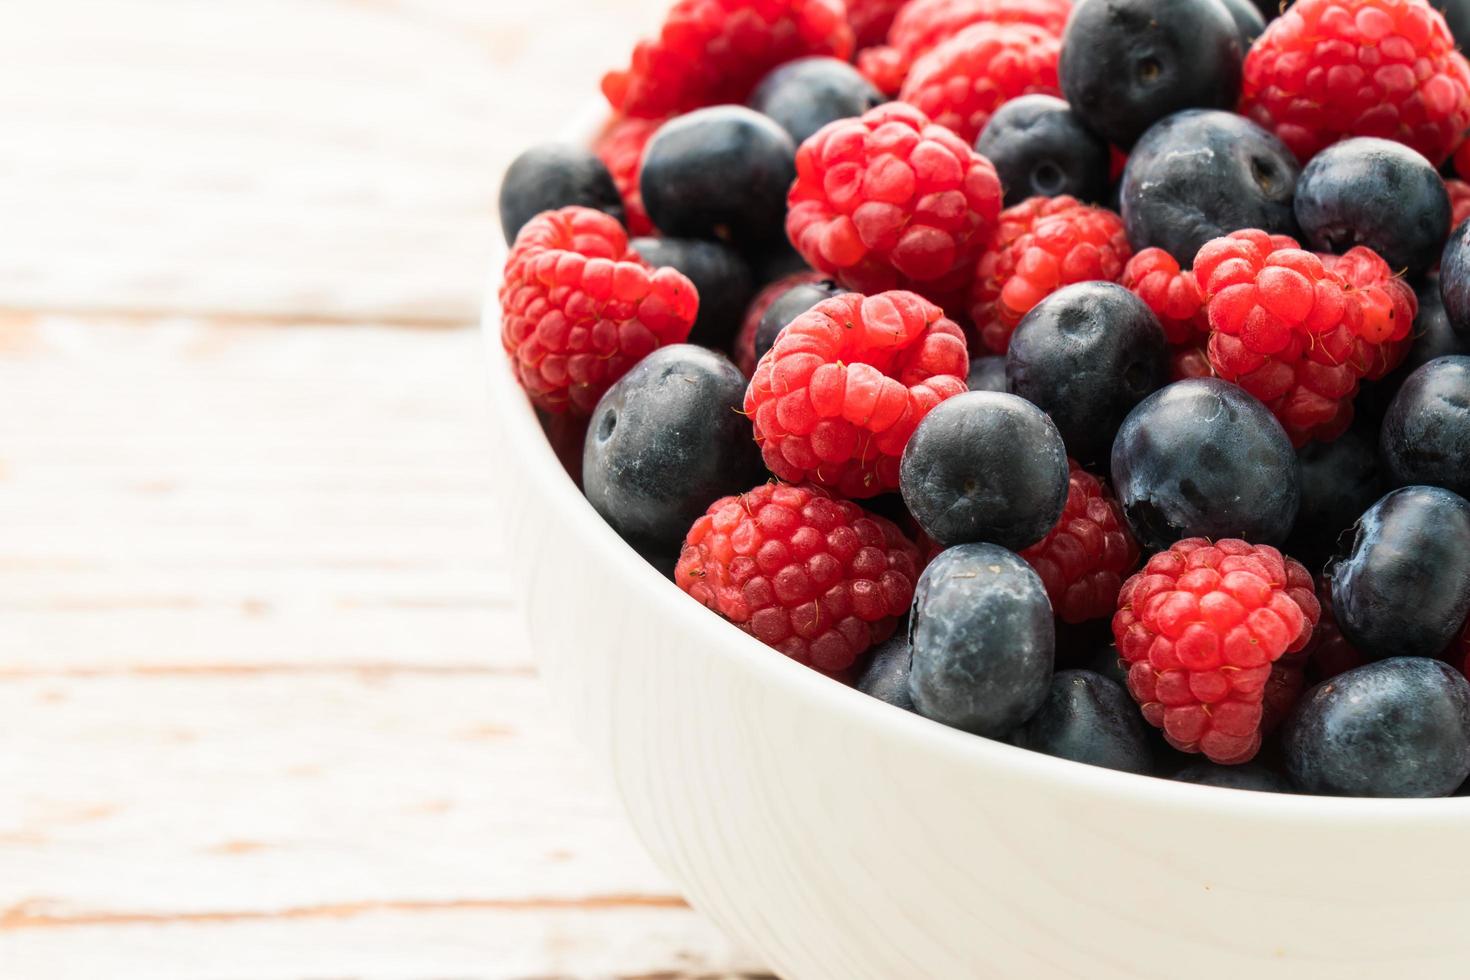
<point x="267" y="708"/>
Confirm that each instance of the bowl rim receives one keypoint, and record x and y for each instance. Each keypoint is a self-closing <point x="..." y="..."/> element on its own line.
<point x="533" y="452"/>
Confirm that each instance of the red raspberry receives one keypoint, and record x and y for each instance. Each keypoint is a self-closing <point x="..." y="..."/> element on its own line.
<point x="870" y="20"/>
<point x="1283" y="690"/>
<point x="579" y="308"/>
<point x="1042" y="244"/>
<point x="1200" y="628"/>
<point x="922" y="25"/>
<point x="819" y="579"/>
<point x="1298" y="331"/>
<point x="961" y="83"/>
<point x="710" y="52"/>
<point x="1462" y="159"/>
<point x="1459" y="192"/>
<point x="1329" y="653"/>
<point x="745" y="340"/>
<point x="892" y="201"/>
<point x="621" y="149"/>
<point x="1172" y="293"/>
<point x="835" y="400"/>
<point x="1460" y="651"/>
<point x="1329" y="69"/>
<point x="1191" y="361"/>
<point x="1083" y="560"/>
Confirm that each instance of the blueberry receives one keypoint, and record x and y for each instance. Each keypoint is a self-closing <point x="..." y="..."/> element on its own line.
<point x="1339" y="480"/>
<point x="1203" y="458"/>
<point x="1126" y="64"/>
<point x="1249" y="20"/>
<point x="805" y="95"/>
<point x="777" y="261"/>
<point x="1041" y="149"/>
<point x="720" y="276"/>
<point x="787" y="307"/>
<point x="665" y="442"/>
<point x="1251" y="776"/>
<point x="984" y="466"/>
<point x="988" y="373"/>
<point x="1107" y="663"/>
<point x="1086" y="355"/>
<point x="1426" y="433"/>
<point x="551" y="176"/>
<point x="1202" y="174"/>
<point x="1454" y="278"/>
<point x="1404" y="588"/>
<point x="721" y="172"/>
<point x="1433" y="337"/>
<point x="1399" y="727"/>
<point x="1090" y="719"/>
<point x="887" y="674"/>
<point x="982" y="640"/>
<point x="1377" y="193"/>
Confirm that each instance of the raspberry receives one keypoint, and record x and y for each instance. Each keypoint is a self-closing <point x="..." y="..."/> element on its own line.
<point x="870" y="20"/>
<point x="1329" y="653"/>
<point x="1298" y="330"/>
<point x="1190" y="361"/>
<point x="1461" y="160"/>
<point x="836" y="399"/>
<point x="1329" y="69"/>
<point x="1042" y="244"/>
<point x="1083" y="559"/>
<point x="1459" y="192"/>
<point x="892" y="201"/>
<point x="1200" y="627"/>
<point x="579" y="308"/>
<point x="962" y="81"/>
<point x="1172" y="293"/>
<point x="922" y="25"/>
<point x="745" y="340"/>
<point x="710" y="52"/>
<point x="621" y="150"/>
<point x="819" y="579"/>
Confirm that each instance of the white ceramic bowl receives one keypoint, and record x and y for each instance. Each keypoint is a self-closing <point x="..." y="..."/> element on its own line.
<point x="839" y="837"/>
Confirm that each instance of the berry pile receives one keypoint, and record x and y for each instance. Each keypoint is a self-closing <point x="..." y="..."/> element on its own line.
<point x="1090" y="375"/>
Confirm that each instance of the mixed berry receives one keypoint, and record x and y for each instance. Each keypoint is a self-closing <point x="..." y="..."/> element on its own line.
<point x="1093" y="376"/>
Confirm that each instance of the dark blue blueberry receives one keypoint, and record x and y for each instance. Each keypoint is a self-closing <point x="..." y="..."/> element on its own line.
<point x="1126" y="64"/>
<point x="1433" y="337"/>
<point x="551" y="176"/>
<point x="1041" y="149"/>
<point x="1202" y="458"/>
<point x="665" y="442"/>
<point x="984" y="466"/>
<point x="806" y="94"/>
<point x="1399" y="727"/>
<point x="887" y="674"/>
<point x="721" y="172"/>
<point x="1339" y="480"/>
<point x="1249" y="20"/>
<point x="1454" y="278"/>
<point x="1251" y="776"/>
<point x="1426" y="433"/>
<point x="1202" y="174"/>
<point x="988" y="373"/>
<point x="1404" y="588"/>
<point x="982" y="640"/>
<point x="1378" y="193"/>
<point x="787" y="307"/>
<point x="1105" y="661"/>
<point x="720" y="276"/>
<point x="1271" y="9"/>
<point x="1085" y="355"/>
<point x="1090" y="719"/>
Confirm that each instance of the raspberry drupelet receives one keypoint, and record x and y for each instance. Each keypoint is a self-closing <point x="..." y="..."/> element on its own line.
<point x="1298" y="330"/>
<point x="819" y="579"/>
<point x="1329" y="69"/>
<point x="1459" y="193"/>
<point x="961" y="82"/>
<point x="892" y="201"/>
<point x="1154" y="276"/>
<point x="1083" y="560"/>
<point x="870" y="20"/>
<point x="1200" y="628"/>
<point x="621" y="151"/>
<point x="835" y="401"/>
<point x="1041" y="245"/>
<point x="579" y="308"/>
<point x="710" y="52"/>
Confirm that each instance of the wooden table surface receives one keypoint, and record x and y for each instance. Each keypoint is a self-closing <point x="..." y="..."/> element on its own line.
<point x="266" y="707"/>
